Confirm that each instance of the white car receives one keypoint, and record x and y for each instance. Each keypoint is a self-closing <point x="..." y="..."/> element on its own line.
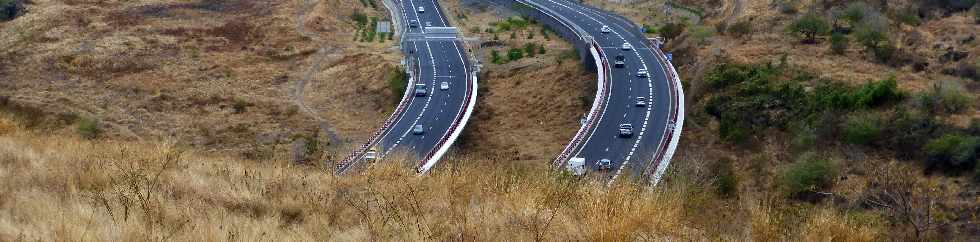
<point x="418" y="130"/>
<point x="627" y="46"/>
<point x="444" y="86"/>
<point x="605" y="29"/>
<point x="641" y="102"/>
<point x="428" y="24"/>
<point x="421" y="9"/>
<point x="603" y="164"/>
<point x="642" y="73"/>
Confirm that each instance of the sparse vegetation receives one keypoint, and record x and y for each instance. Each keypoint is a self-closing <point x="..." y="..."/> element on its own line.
<point x="671" y="30"/>
<point x="397" y="82"/>
<point x="953" y="153"/>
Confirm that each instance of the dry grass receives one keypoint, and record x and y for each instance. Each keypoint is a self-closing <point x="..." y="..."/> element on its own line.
<point x="70" y="189"/>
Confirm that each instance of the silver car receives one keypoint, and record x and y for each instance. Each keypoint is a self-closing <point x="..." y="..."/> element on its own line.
<point x="418" y="130"/>
<point x="603" y="164"/>
<point x="641" y="102"/>
<point x="444" y="86"/>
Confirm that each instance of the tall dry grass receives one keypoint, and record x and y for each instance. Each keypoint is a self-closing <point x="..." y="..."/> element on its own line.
<point x="63" y="188"/>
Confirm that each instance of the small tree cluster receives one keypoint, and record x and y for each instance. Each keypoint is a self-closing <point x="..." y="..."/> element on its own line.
<point x="807" y="175"/>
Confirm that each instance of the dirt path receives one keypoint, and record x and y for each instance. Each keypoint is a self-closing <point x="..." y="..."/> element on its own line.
<point x="299" y="87"/>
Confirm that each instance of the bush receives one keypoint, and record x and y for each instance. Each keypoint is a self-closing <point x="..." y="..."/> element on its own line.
<point x="839" y="43"/>
<point x="700" y="33"/>
<point x="88" y="128"/>
<point x="855" y="12"/>
<point x="809" y="27"/>
<point x="531" y="49"/>
<point x="397" y="83"/>
<point x="947" y="97"/>
<point x="515" y="54"/>
<point x="495" y="57"/>
<point x="740" y="29"/>
<point x="725" y="182"/>
<point x="239" y="106"/>
<point x="909" y="16"/>
<point x="808" y="174"/>
<point x="862" y="129"/>
<point x="952" y="152"/>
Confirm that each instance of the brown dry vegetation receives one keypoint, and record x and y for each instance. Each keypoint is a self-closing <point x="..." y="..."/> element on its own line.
<point x="213" y="74"/>
<point x="58" y="188"/>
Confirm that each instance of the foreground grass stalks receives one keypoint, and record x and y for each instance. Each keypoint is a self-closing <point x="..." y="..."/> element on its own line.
<point x="57" y="189"/>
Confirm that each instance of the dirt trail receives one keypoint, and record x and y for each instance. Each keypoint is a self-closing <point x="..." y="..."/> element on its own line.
<point x="318" y="59"/>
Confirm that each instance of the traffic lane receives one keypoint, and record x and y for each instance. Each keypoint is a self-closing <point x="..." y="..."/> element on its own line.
<point x="446" y="104"/>
<point x="427" y="69"/>
<point x="607" y="143"/>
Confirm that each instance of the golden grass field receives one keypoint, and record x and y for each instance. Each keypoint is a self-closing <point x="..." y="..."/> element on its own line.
<point x="69" y="189"/>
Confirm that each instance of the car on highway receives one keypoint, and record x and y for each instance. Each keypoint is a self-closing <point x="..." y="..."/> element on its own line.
<point x="576" y="166"/>
<point x="641" y="102"/>
<point x="642" y="73"/>
<point x="620" y="61"/>
<point x="418" y="130"/>
<point x="625" y="130"/>
<point x="420" y="90"/>
<point x="413" y="23"/>
<point x="428" y="24"/>
<point x="444" y="86"/>
<point x="605" y="29"/>
<point x="421" y="9"/>
<point x="627" y="46"/>
<point x="372" y="154"/>
<point x="603" y="164"/>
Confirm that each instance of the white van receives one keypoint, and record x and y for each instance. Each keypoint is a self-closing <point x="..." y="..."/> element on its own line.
<point x="421" y="9"/>
<point x="576" y="166"/>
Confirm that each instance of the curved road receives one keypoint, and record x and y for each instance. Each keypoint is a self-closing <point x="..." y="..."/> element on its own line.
<point x="433" y="58"/>
<point x="651" y="123"/>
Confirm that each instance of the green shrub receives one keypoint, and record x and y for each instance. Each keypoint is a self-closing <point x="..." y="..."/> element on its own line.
<point x="740" y="29"/>
<point x="952" y="152"/>
<point x="862" y="128"/>
<point x="531" y="49"/>
<point x="495" y="57"/>
<point x="515" y="54"/>
<point x="908" y="131"/>
<point x="839" y="43"/>
<point x="855" y="12"/>
<point x="877" y="93"/>
<point x="909" y="16"/>
<point x="809" y="173"/>
<point x="809" y="27"/>
<point x="88" y="128"/>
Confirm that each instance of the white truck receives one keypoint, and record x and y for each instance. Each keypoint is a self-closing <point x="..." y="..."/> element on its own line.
<point x="576" y="166"/>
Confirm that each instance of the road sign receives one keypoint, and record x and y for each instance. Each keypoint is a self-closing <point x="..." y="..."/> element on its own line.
<point x="670" y="57"/>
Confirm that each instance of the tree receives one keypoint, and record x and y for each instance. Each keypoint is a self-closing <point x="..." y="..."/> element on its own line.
<point x="672" y="30"/>
<point x="906" y="198"/>
<point x="839" y="43"/>
<point x="809" y="27"/>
